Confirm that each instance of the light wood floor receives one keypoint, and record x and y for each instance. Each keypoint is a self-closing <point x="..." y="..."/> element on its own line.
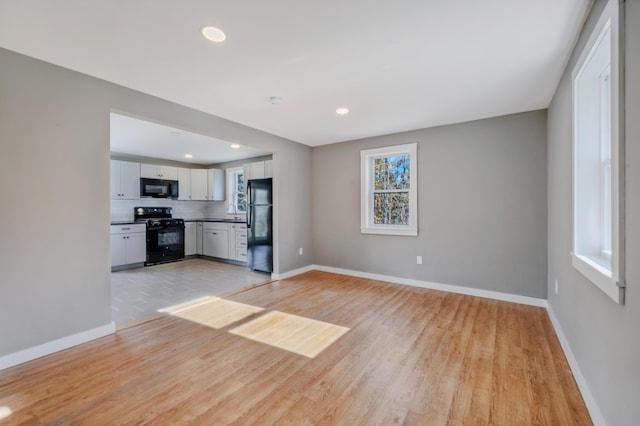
<point x="406" y="356"/>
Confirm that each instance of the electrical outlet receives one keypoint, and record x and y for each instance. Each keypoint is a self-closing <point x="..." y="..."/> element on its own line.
<point x="556" y="286"/>
<point x="419" y="260"/>
<point x="300" y="251"/>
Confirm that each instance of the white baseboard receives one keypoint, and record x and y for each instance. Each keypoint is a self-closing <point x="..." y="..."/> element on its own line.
<point x="29" y="354"/>
<point x="594" y="410"/>
<point x="487" y="294"/>
<point x="290" y="274"/>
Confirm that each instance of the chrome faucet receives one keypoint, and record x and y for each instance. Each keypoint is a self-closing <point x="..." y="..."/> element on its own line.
<point x="235" y="210"/>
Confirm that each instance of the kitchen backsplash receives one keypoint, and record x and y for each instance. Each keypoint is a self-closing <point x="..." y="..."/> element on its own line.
<point x="123" y="209"/>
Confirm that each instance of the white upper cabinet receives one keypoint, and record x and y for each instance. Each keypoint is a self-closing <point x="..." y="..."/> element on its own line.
<point x="257" y="170"/>
<point x="215" y="183"/>
<point x="253" y="171"/>
<point x="184" y="184"/>
<point x="268" y="169"/>
<point x="125" y="180"/>
<point x="199" y="186"/>
<point x="153" y="171"/>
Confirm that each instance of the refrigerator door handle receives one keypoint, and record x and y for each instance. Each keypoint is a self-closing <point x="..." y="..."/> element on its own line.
<point x="250" y="206"/>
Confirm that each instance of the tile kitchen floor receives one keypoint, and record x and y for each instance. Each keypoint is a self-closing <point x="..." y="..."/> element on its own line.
<point x="139" y="293"/>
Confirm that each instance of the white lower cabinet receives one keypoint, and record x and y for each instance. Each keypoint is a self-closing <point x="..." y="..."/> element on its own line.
<point x="128" y="244"/>
<point x="190" y="238"/>
<point x="238" y="241"/>
<point x="215" y="240"/>
<point x="199" y="238"/>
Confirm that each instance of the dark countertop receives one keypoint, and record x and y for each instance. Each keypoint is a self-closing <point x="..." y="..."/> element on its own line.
<point x="131" y="222"/>
<point x="217" y="220"/>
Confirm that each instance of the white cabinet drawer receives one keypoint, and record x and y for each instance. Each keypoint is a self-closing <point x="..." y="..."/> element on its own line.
<point x="241" y="254"/>
<point x="128" y="229"/>
<point x="216" y="225"/>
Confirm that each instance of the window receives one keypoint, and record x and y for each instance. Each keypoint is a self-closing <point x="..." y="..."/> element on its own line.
<point x="388" y="193"/>
<point x="235" y="189"/>
<point x="597" y="156"/>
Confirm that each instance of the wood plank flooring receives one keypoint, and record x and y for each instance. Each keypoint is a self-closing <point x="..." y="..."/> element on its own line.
<point x="409" y="356"/>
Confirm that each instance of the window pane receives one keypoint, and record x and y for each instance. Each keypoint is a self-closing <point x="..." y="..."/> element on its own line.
<point x="239" y="181"/>
<point x="391" y="172"/>
<point x="240" y="202"/>
<point x="391" y="208"/>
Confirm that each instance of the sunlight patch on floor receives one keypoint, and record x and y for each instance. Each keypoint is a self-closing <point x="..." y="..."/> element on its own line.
<point x="296" y="334"/>
<point x="4" y="412"/>
<point x="215" y="312"/>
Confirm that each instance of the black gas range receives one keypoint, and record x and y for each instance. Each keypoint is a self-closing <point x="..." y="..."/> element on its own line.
<point x="165" y="234"/>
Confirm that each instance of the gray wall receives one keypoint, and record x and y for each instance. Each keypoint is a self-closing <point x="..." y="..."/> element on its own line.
<point x="604" y="336"/>
<point x="54" y="165"/>
<point x="481" y="200"/>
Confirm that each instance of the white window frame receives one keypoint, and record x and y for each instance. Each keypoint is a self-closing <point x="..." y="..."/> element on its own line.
<point x="232" y="197"/>
<point x="366" y="190"/>
<point x="598" y="220"/>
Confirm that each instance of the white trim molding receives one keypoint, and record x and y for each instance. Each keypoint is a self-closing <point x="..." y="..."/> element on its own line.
<point x="367" y="190"/>
<point x="293" y="273"/>
<point x="594" y="410"/>
<point x="48" y="348"/>
<point x="597" y="79"/>
<point x="487" y="294"/>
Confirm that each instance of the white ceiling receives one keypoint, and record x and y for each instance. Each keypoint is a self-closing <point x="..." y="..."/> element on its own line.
<point x="143" y="138"/>
<point x="398" y="65"/>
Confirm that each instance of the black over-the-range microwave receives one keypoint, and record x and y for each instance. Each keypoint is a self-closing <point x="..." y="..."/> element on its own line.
<point x="158" y="188"/>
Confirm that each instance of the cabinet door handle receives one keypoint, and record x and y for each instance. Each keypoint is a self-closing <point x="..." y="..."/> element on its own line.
<point x="214" y="233"/>
<point x="125" y="229"/>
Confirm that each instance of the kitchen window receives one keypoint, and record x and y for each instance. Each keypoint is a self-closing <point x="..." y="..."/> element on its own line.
<point x="389" y="179"/>
<point x="597" y="159"/>
<point x="235" y="189"/>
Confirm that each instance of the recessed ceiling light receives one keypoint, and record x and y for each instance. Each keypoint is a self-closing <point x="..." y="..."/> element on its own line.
<point x="235" y="146"/>
<point x="188" y="156"/>
<point x="342" y="111"/>
<point x="214" y="34"/>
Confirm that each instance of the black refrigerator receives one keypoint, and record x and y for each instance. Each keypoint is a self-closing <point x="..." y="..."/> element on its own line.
<point x="260" y="225"/>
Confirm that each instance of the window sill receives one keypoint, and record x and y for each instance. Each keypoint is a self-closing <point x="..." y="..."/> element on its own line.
<point x="598" y="270"/>
<point x="405" y="232"/>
